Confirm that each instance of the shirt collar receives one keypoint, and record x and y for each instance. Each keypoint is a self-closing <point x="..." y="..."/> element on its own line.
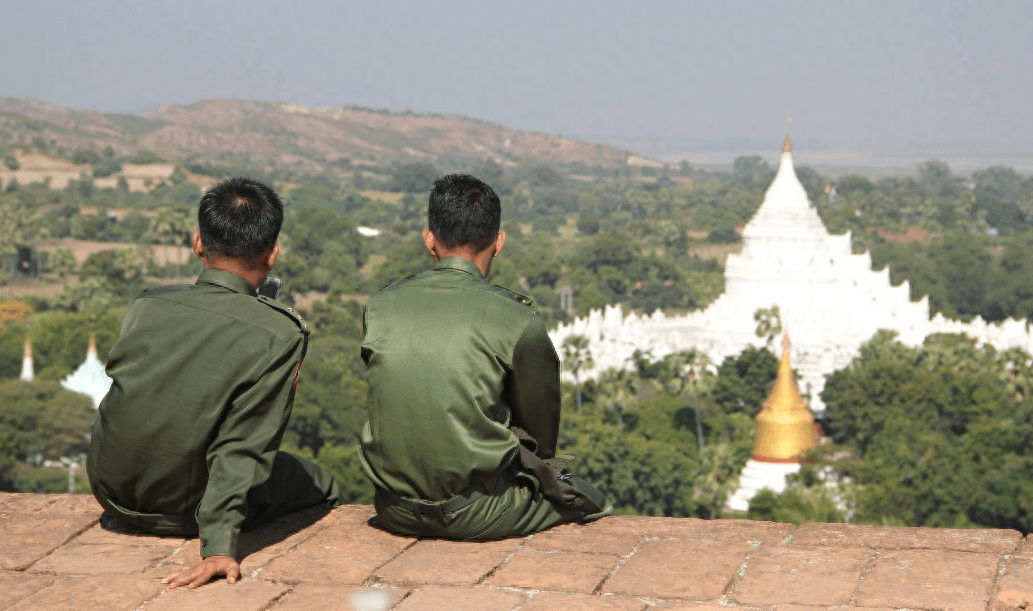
<point x="228" y="280"/>
<point x="459" y="264"/>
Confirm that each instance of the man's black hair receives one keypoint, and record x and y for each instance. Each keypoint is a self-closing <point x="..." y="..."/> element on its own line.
<point x="240" y="218"/>
<point x="464" y="211"/>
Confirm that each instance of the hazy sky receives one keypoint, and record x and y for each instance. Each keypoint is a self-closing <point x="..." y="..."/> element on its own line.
<point x="872" y="74"/>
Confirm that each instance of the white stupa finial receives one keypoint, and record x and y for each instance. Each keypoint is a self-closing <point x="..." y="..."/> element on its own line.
<point x="28" y="373"/>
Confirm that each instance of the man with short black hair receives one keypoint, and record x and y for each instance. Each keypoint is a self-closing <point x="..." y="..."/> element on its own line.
<point x="464" y="390"/>
<point x="203" y="381"/>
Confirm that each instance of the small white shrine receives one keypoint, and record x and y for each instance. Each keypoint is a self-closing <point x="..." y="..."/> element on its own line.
<point x="89" y="378"/>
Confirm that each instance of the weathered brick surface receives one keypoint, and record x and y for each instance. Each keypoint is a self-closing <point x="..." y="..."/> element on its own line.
<point x="1016" y="588"/>
<point x="553" y="601"/>
<point x="108" y="592"/>
<point x="78" y="559"/>
<point x="439" y="598"/>
<point x="447" y="562"/>
<point x="724" y="530"/>
<point x="245" y="595"/>
<point x="16" y="586"/>
<point x="54" y="555"/>
<point x="990" y="541"/>
<point x="616" y="536"/>
<point x="784" y="574"/>
<point x="310" y="597"/>
<point x="28" y="537"/>
<point x="700" y="570"/>
<point x="562" y="571"/>
<point x="346" y="551"/>
<point x="931" y="579"/>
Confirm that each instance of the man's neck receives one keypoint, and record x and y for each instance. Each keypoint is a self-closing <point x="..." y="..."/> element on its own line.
<point x="255" y="277"/>
<point x="481" y="259"/>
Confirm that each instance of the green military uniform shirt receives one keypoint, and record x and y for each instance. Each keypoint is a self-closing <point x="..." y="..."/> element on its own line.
<point x="451" y="362"/>
<point x="203" y="380"/>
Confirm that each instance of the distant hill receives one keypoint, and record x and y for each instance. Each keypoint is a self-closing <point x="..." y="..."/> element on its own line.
<point x="288" y="135"/>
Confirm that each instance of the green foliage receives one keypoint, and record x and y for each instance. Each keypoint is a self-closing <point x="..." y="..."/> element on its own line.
<point x="106" y="167"/>
<point x="744" y="381"/>
<point x="59" y="341"/>
<point x="40" y="421"/>
<point x="413" y="177"/>
<point x="941" y="435"/>
<point x="322" y="251"/>
<point x="794" y="506"/>
<point x="726" y="234"/>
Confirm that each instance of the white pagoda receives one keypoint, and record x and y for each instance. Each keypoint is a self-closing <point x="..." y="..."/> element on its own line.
<point x="90" y="378"/>
<point x="829" y="296"/>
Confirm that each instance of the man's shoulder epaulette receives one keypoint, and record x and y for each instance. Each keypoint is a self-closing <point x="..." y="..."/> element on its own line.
<point x="516" y="296"/>
<point x="287" y="311"/>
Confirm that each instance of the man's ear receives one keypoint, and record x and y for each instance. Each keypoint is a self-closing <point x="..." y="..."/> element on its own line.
<point x="500" y="241"/>
<point x="197" y="246"/>
<point x="431" y="242"/>
<point x="270" y="259"/>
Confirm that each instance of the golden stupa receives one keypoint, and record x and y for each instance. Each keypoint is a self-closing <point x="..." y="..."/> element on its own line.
<point x="785" y="427"/>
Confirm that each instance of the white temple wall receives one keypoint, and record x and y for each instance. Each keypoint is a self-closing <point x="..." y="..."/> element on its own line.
<point x="829" y="299"/>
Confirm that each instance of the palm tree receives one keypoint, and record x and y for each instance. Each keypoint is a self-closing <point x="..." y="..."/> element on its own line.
<point x="575" y="356"/>
<point x="616" y="393"/>
<point x="686" y="371"/>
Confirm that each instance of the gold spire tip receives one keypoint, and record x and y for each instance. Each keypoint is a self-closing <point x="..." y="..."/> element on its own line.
<point x="787" y="144"/>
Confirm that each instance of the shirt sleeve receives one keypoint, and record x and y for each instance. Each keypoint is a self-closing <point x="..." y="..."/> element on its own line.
<point x="244" y="448"/>
<point x="533" y="387"/>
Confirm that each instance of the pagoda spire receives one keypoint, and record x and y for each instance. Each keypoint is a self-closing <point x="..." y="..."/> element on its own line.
<point x="787" y="143"/>
<point x="785" y="427"/>
<point x="28" y="372"/>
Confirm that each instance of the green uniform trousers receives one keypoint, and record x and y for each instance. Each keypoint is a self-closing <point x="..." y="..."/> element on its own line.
<point x="512" y="507"/>
<point x="293" y="484"/>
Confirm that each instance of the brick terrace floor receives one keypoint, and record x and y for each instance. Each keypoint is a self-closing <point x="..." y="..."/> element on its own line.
<point x="54" y="554"/>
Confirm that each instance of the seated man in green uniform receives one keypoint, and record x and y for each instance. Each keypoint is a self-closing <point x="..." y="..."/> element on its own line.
<point x="457" y="369"/>
<point x="203" y="380"/>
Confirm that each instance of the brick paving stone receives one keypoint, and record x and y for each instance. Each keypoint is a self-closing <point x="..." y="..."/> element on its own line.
<point x="783" y="574"/>
<point x="991" y="541"/>
<point x="436" y="598"/>
<point x="16" y="586"/>
<point x="1015" y="591"/>
<point x="342" y="553"/>
<point x="930" y="579"/>
<point x="23" y="502"/>
<point x="245" y="595"/>
<point x="615" y="535"/>
<point x="554" y="601"/>
<point x="257" y="547"/>
<point x="447" y="562"/>
<point x="108" y="592"/>
<point x="27" y="537"/>
<point x="699" y="570"/>
<point x="696" y="529"/>
<point x="84" y="504"/>
<point x="806" y="608"/>
<point x="679" y="605"/>
<point x="102" y="534"/>
<point x="309" y="597"/>
<point x="77" y="559"/>
<point x="562" y="571"/>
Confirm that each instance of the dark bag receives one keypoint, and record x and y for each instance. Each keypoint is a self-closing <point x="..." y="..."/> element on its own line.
<point x="554" y="480"/>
